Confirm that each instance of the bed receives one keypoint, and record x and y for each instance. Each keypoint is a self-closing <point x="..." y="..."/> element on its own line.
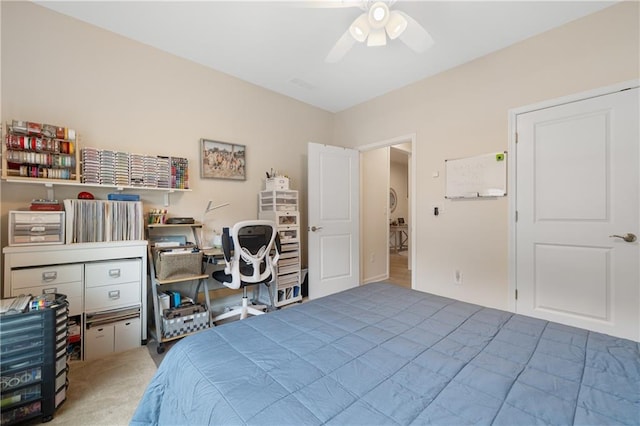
<point x="384" y="355"/>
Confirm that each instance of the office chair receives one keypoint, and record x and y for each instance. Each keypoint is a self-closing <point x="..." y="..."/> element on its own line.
<point x="247" y="249"/>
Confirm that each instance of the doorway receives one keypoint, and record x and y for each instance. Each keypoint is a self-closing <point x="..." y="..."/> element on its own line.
<point x="399" y="271"/>
<point x="386" y="192"/>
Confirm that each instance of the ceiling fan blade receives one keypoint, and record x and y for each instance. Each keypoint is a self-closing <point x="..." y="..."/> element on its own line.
<point x="415" y="36"/>
<point x="342" y="46"/>
<point x="331" y="4"/>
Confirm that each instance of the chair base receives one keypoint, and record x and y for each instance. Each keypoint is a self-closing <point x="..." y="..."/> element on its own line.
<point x="244" y="311"/>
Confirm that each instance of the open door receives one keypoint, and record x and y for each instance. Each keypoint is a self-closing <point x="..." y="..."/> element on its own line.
<point x="333" y="233"/>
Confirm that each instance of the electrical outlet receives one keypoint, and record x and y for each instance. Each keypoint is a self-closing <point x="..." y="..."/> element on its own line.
<point x="372" y="257"/>
<point x="457" y="277"/>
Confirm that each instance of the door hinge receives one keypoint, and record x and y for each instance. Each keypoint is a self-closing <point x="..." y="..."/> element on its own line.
<point x="516" y="294"/>
<point x="516" y="215"/>
<point x="516" y="137"/>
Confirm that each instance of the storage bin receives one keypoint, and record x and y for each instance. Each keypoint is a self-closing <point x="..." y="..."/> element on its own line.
<point x="182" y="325"/>
<point x="278" y="182"/>
<point x="34" y="228"/>
<point x="288" y="234"/>
<point x="175" y="265"/>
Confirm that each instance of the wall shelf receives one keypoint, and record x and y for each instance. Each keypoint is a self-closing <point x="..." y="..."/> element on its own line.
<point x="51" y="183"/>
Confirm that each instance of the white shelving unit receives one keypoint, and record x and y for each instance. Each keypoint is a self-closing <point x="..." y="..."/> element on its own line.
<point x="281" y="206"/>
<point x="53" y="161"/>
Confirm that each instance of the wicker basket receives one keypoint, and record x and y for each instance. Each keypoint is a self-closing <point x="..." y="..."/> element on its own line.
<point x="171" y="266"/>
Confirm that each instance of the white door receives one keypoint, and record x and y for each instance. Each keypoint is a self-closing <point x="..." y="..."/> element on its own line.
<point x="333" y="234"/>
<point x="577" y="185"/>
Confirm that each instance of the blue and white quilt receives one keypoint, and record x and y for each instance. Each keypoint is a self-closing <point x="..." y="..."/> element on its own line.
<point x="384" y="355"/>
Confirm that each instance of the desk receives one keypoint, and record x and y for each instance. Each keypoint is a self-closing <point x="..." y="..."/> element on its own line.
<point x="398" y="237"/>
<point x="212" y="256"/>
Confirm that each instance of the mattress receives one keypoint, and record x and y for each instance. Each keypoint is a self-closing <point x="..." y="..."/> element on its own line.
<point x="384" y="355"/>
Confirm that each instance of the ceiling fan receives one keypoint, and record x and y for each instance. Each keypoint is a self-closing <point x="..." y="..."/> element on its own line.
<point x="375" y="24"/>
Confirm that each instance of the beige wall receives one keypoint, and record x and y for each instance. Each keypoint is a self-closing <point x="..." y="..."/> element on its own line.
<point x="120" y="94"/>
<point x="123" y="95"/>
<point x="374" y="199"/>
<point x="463" y="112"/>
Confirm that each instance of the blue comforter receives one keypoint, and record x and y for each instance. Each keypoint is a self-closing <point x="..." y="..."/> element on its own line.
<point x="383" y="355"/>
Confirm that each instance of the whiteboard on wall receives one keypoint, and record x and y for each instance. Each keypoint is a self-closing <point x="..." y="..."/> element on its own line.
<point x="479" y="176"/>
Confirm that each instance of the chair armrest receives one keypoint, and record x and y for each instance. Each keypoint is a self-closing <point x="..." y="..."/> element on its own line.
<point x="226" y="245"/>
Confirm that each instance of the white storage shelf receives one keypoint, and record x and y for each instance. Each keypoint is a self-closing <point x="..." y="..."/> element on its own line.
<point x="282" y="200"/>
<point x="281" y="206"/>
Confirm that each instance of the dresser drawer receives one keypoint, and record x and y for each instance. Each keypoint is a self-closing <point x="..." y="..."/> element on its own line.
<point x="111" y="296"/>
<point x="108" y="273"/>
<point x="73" y="291"/>
<point x="46" y="276"/>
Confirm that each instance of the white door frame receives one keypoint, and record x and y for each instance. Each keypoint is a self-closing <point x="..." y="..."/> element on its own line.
<point x="511" y="168"/>
<point x="410" y="138"/>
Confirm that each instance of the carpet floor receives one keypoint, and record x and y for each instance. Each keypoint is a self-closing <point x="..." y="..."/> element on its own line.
<point x="105" y="391"/>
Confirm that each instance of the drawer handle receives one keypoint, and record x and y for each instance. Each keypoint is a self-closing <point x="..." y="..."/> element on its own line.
<point x="51" y="290"/>
<point x="49" y="276"/>
<point x="114" y="273"/>
<point x="114" y="294"/>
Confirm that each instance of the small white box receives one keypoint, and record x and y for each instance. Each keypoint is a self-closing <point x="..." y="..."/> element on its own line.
<point x="278" y="182"/>
<point x="98" y="341"/>
<point x="34" y="228"/>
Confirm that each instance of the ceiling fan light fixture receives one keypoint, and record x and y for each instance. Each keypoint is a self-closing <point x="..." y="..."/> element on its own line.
<point x="378" y="15"/>
<point x="359" y="29"/>
<point x="375" y="25"/>
<point x="396" y="25"/>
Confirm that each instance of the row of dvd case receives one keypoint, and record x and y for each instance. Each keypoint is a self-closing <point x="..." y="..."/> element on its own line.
<point x="115" y="168"/>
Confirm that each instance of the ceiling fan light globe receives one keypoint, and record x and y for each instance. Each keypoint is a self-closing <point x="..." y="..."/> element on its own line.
<point x="377" y="38"/>
<point x="359" y="29"/>
<point x="378" y="15"/>
<point x="396" y="26"/>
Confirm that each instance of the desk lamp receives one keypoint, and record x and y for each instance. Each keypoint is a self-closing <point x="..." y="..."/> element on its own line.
<point x="210" y="207"/>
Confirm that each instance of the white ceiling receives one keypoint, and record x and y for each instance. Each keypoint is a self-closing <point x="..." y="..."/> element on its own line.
<point x="281" y="46"/>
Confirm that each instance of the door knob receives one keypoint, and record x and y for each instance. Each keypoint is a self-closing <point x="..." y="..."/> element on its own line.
<point x="316" y="228"/>
<point x="627" y="237"/>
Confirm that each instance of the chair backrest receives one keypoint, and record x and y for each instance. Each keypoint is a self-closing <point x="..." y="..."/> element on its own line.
<point x="255" y="252"/>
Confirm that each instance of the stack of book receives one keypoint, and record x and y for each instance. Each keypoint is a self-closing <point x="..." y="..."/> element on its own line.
<point x="45" y="205"/>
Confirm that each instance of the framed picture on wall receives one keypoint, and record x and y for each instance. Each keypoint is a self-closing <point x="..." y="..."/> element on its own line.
<point x="393" y="200"/>
<point x="222" y="160"/>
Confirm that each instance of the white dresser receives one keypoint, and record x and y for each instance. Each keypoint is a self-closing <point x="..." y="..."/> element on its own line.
<point x="105" y="284"/>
